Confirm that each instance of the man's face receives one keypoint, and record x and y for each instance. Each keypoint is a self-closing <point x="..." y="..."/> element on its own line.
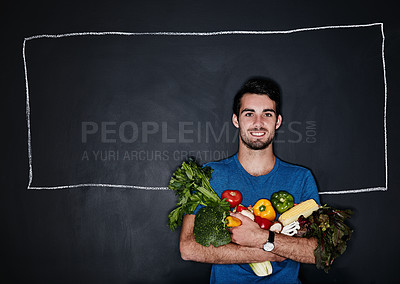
<point x="257" y="121"/>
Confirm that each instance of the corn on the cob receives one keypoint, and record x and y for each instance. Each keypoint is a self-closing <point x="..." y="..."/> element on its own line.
<point x="304" y="208"/>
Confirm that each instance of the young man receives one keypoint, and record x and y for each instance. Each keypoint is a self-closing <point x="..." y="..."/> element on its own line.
<point x="256" y="173"/>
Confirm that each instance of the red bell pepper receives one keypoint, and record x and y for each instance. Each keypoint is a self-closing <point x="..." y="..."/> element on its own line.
<point x="240" y="208"/>
<point x="262" y="222"/>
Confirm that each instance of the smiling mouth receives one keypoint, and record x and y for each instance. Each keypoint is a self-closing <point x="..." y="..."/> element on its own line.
<point x="257" y="133"/>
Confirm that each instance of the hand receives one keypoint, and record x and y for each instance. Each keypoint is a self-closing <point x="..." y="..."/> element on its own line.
<point x="249" y="233"/>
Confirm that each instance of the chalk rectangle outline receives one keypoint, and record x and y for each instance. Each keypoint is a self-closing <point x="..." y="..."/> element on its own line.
<point x="218" y="33"/>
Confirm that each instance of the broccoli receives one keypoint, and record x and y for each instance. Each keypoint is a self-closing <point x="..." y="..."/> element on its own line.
<point x="209" y="226"/>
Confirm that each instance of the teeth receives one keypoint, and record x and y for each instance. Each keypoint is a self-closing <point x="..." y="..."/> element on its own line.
<point x="257" y="133"/>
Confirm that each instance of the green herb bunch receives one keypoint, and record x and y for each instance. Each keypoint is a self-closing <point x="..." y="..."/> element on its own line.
<point x="328" y="226"/>
<point x="191" y="184"/>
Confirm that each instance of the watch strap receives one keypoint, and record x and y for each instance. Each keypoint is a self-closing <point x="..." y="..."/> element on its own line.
<point x="271" y="237"/>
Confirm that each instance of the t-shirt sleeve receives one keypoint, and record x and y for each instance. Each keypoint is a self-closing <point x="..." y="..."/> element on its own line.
<point x="198" y="208"/>
<point x="310" y="190"/>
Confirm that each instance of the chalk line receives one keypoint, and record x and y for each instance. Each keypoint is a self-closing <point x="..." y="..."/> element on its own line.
<point x="162" y="188"/>
<point x="218" y="33"/>
<point x="361" y="190"/>
<point x="28" y="114"/>
<point x="98" y="185"/>
<point x="385" y="111"/>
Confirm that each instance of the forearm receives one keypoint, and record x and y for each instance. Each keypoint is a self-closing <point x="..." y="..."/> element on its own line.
<point x="226" y="254"/>
<point x="296" y="248"/>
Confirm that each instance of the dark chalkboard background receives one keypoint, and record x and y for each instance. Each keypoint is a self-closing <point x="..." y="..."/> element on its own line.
<point x="124" y="110"/>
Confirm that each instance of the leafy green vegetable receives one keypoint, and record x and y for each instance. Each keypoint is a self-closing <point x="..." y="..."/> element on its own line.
<point x="209" y="226"/>
<point x="192" y="186"/>
<point x="328" y="226"/>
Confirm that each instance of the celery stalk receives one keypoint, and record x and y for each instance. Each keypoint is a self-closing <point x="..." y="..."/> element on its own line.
<point x="262" y="268"/>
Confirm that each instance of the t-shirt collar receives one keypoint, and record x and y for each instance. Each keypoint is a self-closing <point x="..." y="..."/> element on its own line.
<point x="276" y="165"/>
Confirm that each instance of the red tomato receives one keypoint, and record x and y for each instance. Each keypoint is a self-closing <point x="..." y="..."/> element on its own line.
<point x="234" y="197"/>
<point x="262" y="222"/>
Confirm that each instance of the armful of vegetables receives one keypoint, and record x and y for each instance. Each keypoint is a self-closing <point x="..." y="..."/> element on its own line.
<point x="307" y="219"/>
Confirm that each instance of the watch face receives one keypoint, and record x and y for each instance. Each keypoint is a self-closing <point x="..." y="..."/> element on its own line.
<point x="269" y="246"/>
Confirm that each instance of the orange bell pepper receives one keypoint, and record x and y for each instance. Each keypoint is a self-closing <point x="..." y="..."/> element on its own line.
<point x="264" y="209"/>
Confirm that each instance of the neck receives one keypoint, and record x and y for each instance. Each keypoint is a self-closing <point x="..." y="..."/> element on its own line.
<point x="256" y="162"/>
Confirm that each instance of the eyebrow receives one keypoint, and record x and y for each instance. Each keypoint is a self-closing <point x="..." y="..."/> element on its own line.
<point x="252" y="110"/>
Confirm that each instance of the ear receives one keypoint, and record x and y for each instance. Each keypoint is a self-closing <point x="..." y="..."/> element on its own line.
<point x="278" y="122"/>
<point x="235" y="120"/>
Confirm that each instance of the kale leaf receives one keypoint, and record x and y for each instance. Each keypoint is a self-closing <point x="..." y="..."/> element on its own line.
<point x="328" y="226"/>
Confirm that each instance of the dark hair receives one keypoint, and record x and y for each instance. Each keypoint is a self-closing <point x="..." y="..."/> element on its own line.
<point x="259" y="86"/>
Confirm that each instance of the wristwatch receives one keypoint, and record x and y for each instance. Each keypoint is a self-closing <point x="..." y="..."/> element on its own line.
<point x="269" y="245"/>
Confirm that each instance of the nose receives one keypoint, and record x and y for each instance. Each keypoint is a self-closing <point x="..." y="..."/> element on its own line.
<point x="257" y="121"/>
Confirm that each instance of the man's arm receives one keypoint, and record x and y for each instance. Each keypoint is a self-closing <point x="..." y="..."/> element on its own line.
<point x="227" y="254"/>
<point x="251" y="235"/>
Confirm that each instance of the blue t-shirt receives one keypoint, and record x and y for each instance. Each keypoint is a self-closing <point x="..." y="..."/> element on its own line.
<point x="298" y="181"/>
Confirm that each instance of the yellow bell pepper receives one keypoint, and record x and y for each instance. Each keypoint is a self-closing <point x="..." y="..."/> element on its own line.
<point x="232" y="222"/>
<point x="264" y="209"/>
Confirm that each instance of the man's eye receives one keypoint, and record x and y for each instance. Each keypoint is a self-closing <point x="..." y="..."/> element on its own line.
<point x="268" y="114"/>
<point x="248" y="114"/>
